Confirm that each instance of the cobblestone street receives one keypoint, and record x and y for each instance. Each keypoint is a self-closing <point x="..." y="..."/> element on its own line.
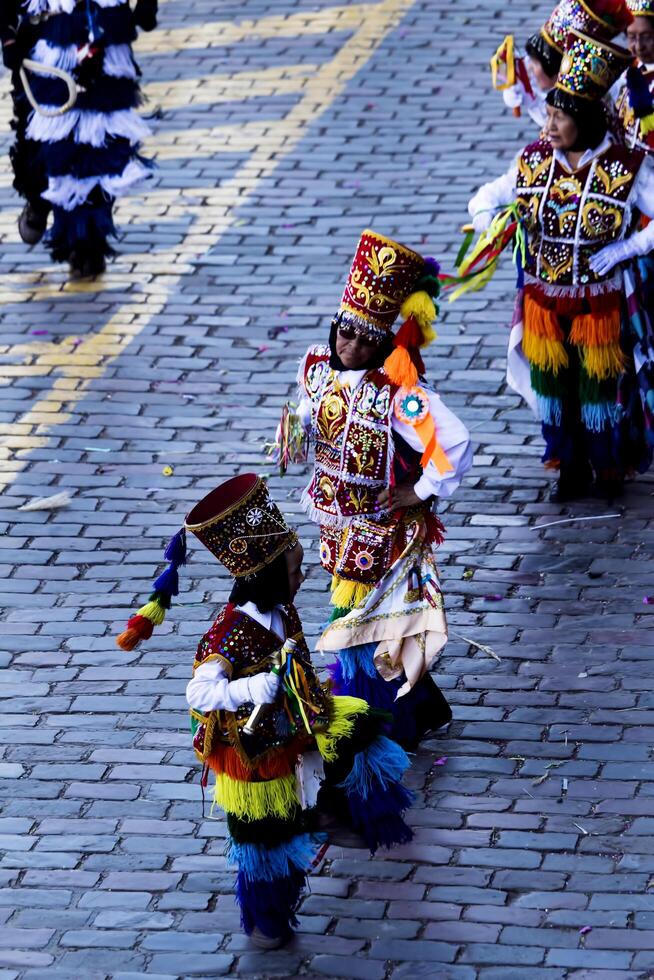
<point x="282" y="128"/>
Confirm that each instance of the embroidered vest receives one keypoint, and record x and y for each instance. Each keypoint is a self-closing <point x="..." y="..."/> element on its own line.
<point x="631" y="125"/>
<point x="246" y="648"/>
<point x="572" y="215"/>
<point x="353" y="441"/>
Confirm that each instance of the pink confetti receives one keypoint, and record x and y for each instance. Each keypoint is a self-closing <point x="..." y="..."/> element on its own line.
<point x="585" y="930"/>
<point x="493" y="598"/>
<point x="288" y="224"/>
<point x="648" y="600"/>
<point x="40" y="333"/>
<point x="262" y="349"/>
<point x="76" y="341"/>
<point x="274" y="332"/>
<point x="441" y="762"/>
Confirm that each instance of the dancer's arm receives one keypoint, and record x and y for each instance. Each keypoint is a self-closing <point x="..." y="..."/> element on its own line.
<point x="210" y="688"/>
<point x="640" y="243"/>
<point x="492" y="197"/>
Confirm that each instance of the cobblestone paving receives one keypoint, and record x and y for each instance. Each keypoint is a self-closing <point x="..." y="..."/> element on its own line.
<point x="278" y="138"/>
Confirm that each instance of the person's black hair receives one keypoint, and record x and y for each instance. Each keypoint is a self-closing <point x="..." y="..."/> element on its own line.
<point x="266" y="589"/>
<point x="548" y="57"/>
<point x="377" y="357"/>
<point x="590" y="117"/>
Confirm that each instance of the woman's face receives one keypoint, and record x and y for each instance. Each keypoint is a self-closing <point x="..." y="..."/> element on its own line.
<point x="354" y="351"/>
<point x="544" y="81"/>
<point x="560" y="129"/>
<point x="640" y="39"/>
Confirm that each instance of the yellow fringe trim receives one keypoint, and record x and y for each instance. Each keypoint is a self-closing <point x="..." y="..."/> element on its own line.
<point x="421" y="307"/>
<point x="549" y="355"/>
<point x="256" y="801"/>
<point x="154" y="612"/>
<point x="593" y="331"/>
<point x="647" y="124"/>
<point x="348" y="595"/>
<point x="605" y="361"/>
<point x="345" y="710"/>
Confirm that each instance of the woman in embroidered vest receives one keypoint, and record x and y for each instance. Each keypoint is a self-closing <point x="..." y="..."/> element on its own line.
<point x="351" y="788"/>
<point x="385" y="447"/>
<point x="573" y="342"/>
<point x="75" y="163"/>
<point x="635" y="98"/>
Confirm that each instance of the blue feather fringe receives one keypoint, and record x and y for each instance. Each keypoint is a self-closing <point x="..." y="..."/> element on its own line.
<point x="382" y="763"/>
<point x="258" y="863"/>
<point x="176" y="548"/>
<point x="168" y="581"/>
<point x="355" y="659"/>
<point x="270" y="906"/>
<point x="378" y="818"/>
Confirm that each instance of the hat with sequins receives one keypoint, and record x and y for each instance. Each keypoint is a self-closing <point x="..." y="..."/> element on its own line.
<point x="641" y="8"/>
<point x="241" y="527"/>
<point x="386" y="280"/>
<point x="602" y="19"/>
<point x="591" y="67"/>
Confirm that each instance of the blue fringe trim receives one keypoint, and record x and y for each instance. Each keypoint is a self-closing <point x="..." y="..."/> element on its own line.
<point x="80" y="160"/>
<point x="596" y="416"/>
<point x="382" y="763"/>
<point x="257" y="863"/>
<point x="106" y="95"/>
<point x="355" y="659"/>
<point x="270" y="906"/>
<point x="378" y="818"/>
<point x="550" y="409"/>
<point x="88" y="226"/>
<point x="116" y="25"/>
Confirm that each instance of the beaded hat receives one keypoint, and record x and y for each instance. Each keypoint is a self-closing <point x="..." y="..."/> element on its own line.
<point x="601" y="19"/>
<point x="641" y="8"/>
<point x="240" y="525"/>
<point x="591" y="67"/>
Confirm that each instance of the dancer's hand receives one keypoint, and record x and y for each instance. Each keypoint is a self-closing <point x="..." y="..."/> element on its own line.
<point x="609" y="256"/>
<point x="397" y="498"/>
<point x="263" y="688"/>
<point x="482" y="221"/>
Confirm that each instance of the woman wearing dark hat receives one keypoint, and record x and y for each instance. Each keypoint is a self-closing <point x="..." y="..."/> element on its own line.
<point x="576" y="342"/>
<point x="386" y="447"/>
<point x="261" y="718"/>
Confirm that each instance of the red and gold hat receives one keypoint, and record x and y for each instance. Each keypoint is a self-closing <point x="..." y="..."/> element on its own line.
<point x="387" y="279"/>
<point x="590" y="67"/>
<point x="641" y="8"/>
<point x="240" y="525"/>
<point x="601" y="19"/>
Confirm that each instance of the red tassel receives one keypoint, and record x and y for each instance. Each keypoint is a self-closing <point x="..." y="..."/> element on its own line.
<point x="435" y="530"/>
<point x="409" y="335"/>
<point x="138" y="628"/>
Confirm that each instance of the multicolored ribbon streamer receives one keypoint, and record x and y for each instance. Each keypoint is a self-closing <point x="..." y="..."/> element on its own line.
<point x="477" y="268"/>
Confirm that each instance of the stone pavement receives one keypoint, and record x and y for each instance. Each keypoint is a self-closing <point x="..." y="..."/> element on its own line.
<point x="283" y="127"/>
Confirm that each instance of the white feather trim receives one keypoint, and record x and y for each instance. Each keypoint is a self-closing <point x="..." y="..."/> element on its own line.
<point x="35" y="7"/>
<point x="48" y="54"/>
<point x="89" y="127"/>
<point x="70" y="192"/>
<point x="118" y="61"/>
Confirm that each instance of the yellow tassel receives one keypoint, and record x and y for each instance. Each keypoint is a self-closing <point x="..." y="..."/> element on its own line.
<point x="429" y="335"/>
<point x="348" y="595"/>
<point x="344" y="712"/>
<point x="603" y="361"/>
<point x="400" y="368"/>
<point x="421" y="307"/>
<point x="256" y="801"/>
<point x="647" y="124"/>
<point x="549" y="355"/>
<point x="153" y="611"/>
<point x="590" y="330"/>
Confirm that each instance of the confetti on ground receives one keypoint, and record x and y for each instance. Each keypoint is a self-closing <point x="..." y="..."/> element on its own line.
<point x="168" y="470"/>
<point x="441" y="762"/>
<point x="585" y="930"/>
<point x="571" y="520"/>
<point x="583" y="830"/>
<point x="468" y="573"/>
<point x="274" y="332"/>
<point x="97" y="449"/>
<point x="40" y="333"/>
<point x="478" y="646"/>
<point x="648" y="600"/>
<point x="493" y="598"/>
<point x="52" y="502"/>
<point x="548" y="767"/>
<point x="564" y="785"/>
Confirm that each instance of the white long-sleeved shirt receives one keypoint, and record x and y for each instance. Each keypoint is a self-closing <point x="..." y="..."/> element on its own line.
<point x="209" y="688"/>
<point x="500" y="192"/>
<point x="452" y="436"/>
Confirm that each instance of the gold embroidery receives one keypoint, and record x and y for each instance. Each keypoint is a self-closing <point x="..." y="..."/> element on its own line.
<point x="555" y="272"/>
<point x="600" y="220"/>
<point x="609" y="183"/>
<point x="531" y="175"/>
<point x="382" y="261"/>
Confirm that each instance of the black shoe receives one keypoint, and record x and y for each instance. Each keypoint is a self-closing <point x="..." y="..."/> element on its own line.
<point x="609" y="490"/>
<point x="339" y="834"/>
<point x="86" y="268"/>
<point x="571" y="486"/>
<point x="32" y="224"/>
<point x="262" y="941"/>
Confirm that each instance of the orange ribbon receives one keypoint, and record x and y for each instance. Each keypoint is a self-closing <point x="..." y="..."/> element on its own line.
<point x="426" y="432"/>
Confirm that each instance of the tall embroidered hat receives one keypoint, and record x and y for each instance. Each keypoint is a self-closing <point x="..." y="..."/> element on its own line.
<point x="590" y="67"/>
<point x="387" y="279"/>
<point x="239" y="524"/>
<point x="602" y="19"/>
<point x="641" y="8"/>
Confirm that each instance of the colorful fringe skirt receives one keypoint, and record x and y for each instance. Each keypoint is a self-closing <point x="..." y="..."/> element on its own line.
<point x="273" y="841"/>
<point x="422" y="710"/>
<point x="579" y="351"/>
